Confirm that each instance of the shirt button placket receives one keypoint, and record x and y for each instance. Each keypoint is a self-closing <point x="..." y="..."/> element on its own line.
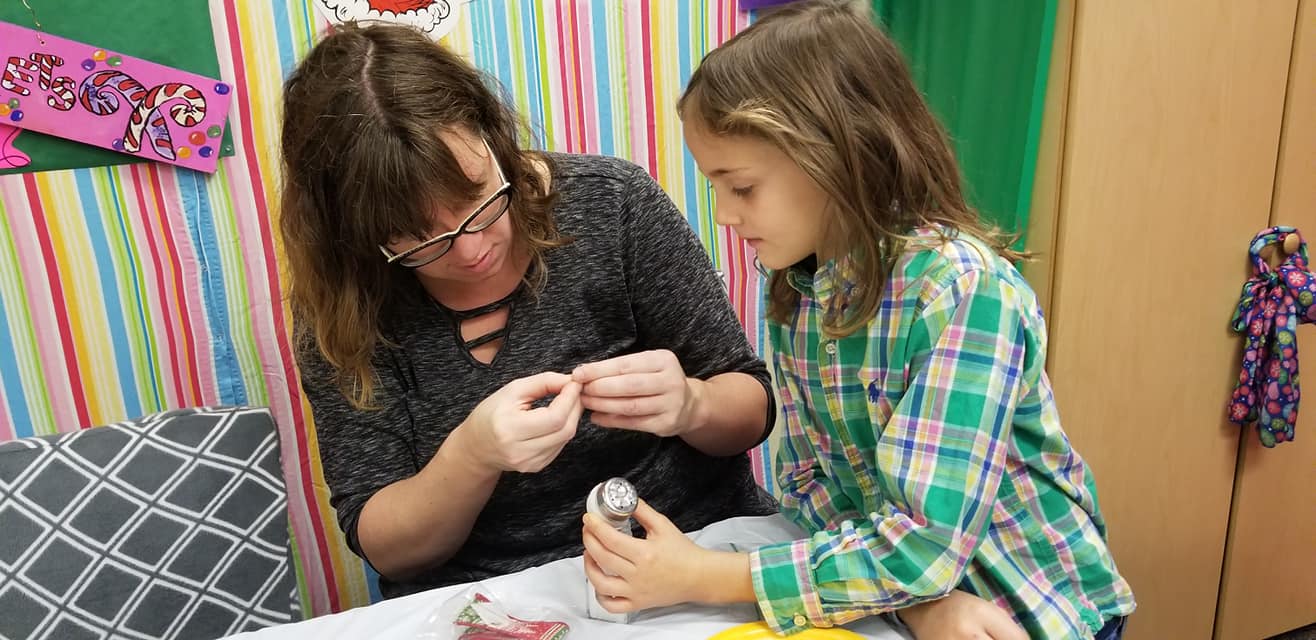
<point x="829" y="376"/>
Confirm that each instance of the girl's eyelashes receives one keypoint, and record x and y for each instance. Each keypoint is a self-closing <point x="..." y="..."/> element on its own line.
<point x="742" y="192"/>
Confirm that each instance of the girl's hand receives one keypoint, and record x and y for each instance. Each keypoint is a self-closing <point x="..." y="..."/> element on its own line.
<point x="665" y="568"/>
<point x="961" y="616"/>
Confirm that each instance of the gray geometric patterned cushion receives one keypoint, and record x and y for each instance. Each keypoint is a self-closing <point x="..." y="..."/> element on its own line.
<point x="170" y="526"/>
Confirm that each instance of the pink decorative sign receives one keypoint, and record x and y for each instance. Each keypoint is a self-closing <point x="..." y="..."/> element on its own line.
<point x="102" y="98"/>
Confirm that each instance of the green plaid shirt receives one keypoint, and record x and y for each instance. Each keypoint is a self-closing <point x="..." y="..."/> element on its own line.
<point x="924" y="453"/>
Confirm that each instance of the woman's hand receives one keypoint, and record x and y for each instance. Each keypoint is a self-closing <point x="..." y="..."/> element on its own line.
<point x="645" y="391"/>
<point x="504" y="433"/>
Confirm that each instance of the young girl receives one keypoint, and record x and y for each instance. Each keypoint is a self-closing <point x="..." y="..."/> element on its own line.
<point x="923" y="450"/>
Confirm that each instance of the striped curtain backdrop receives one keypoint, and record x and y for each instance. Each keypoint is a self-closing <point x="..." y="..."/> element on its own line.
<point x="133" y="289"/>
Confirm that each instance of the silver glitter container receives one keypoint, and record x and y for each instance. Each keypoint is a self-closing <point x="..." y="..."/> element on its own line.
<point x="614" y="501"/>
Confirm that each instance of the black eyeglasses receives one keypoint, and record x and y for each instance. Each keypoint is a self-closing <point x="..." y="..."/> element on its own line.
<point x="482" y="218"/>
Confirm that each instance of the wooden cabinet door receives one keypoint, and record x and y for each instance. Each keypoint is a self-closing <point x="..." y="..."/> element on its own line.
<point x="1269" y="583"/>
<point x="1172" y="129"/>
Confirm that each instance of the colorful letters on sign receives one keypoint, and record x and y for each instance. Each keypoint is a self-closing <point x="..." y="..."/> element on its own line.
<point x="102" y="98"/>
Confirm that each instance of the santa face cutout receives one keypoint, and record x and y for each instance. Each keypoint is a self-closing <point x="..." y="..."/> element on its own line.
<point x="433" y="17"/>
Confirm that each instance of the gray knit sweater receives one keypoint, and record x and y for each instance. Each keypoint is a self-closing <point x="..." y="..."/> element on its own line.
<point x="634" y="278"/>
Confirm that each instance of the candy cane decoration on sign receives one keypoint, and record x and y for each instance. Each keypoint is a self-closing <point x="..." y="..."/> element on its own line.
<point x="188" y="113"/>
<point x="97" y="97"/>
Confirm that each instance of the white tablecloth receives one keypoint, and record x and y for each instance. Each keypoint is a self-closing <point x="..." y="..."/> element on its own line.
<point x="556" y="591"/>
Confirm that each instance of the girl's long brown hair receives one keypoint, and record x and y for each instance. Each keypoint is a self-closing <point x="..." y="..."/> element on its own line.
<point x="821" y="82"/>
<point x="363" y="163"/>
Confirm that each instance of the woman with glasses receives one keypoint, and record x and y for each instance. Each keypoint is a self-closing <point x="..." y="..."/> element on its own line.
<point x="485" y="332"/>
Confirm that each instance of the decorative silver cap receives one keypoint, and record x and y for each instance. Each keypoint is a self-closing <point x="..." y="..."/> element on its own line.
<point x="618" y="498"/>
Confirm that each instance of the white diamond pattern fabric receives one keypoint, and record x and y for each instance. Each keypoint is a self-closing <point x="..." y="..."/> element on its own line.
<point x="171" y="526"/>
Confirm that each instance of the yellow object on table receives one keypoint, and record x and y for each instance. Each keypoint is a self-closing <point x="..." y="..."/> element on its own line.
<point x="761" y="631"/>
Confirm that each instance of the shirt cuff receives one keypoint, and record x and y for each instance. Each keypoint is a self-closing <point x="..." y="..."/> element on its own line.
<point x="783" y="586"/>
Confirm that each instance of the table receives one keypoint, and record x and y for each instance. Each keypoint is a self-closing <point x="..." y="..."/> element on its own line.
<point x="556" y="591"/>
